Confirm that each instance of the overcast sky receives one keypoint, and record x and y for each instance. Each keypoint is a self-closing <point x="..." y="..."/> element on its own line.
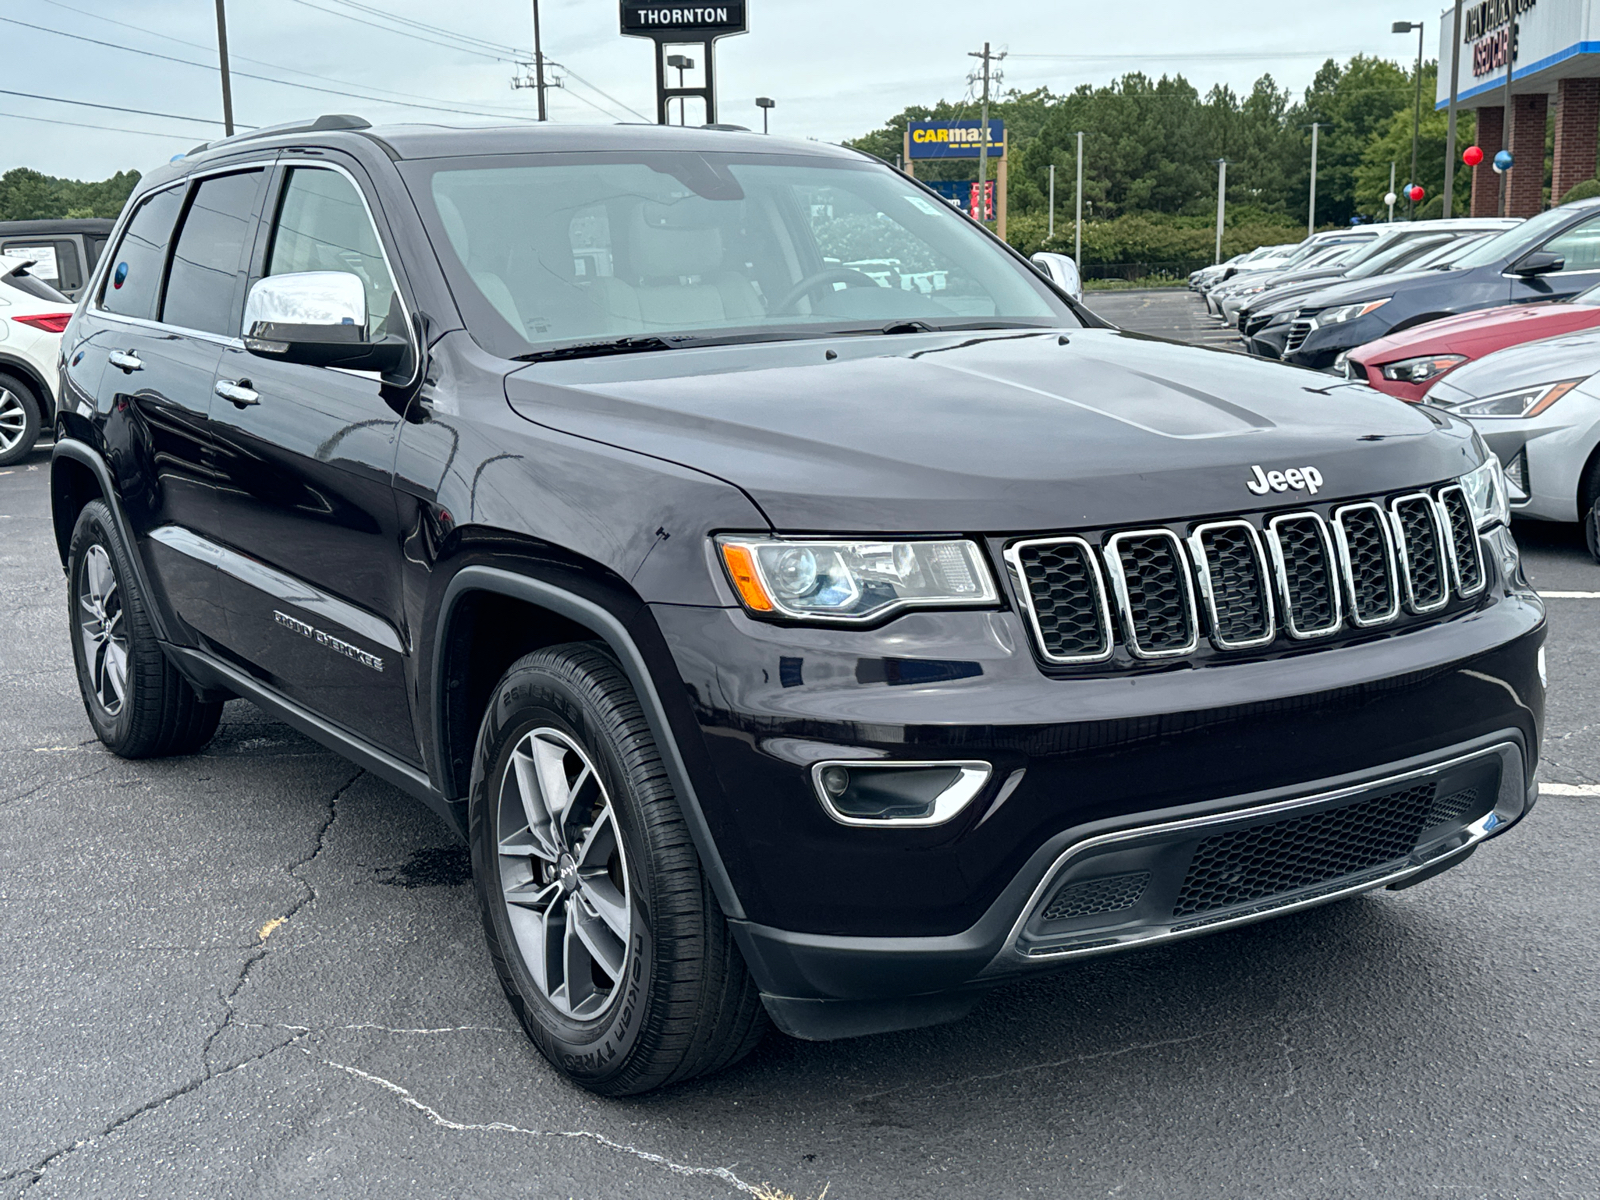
<point x="835" y="67"/>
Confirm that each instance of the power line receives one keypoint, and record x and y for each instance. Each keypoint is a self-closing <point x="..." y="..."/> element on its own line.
<point x="78" y="37"/>
<point x="1250" y="56"/>
<point x="436" y="30"/>
<point x="142" y="112"/>
<point x="430" y="40"/>
<point x="624" y="105"/>
<point x="169" y="137"/>
<point x="262" y="62"/>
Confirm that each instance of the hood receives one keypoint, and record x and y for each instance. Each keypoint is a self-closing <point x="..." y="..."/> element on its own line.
<point x="1571" y="356"/>
<point x="1354" y="291"/>
<point x="1286" y="298"/>
<point x="998" y="432"/>
<point x="1503" y="325"/>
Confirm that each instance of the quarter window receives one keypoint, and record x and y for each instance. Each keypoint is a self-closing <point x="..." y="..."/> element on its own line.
<point x="323" y="226"/>
<point x="135" y="275"/>
<point x="202" y="282"/>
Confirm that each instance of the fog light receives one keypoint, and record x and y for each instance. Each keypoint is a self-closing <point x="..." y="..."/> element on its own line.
<point x="897" y="793"/>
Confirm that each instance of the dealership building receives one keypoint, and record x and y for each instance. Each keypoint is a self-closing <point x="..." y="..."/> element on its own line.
<point x="1554" y="49"/>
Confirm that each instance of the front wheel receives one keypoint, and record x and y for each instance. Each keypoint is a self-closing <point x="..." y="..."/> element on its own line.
<point x="603" y="928"/>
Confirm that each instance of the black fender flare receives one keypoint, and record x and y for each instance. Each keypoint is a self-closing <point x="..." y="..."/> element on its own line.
<point x="81" y="452"/>
<point x="586" y="612"/>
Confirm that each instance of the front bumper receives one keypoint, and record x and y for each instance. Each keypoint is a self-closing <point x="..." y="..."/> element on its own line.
<point x="851" y="930"/>
<point x="1326" y="342"/>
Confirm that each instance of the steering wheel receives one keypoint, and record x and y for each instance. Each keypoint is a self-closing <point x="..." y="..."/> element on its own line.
<point x="848" y="276"/>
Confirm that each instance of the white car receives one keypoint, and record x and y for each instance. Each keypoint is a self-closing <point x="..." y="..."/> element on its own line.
<point x="32" y="316"/>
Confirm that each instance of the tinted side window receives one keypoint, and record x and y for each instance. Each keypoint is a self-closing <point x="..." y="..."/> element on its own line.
<point x="210" y="255"/>
<point x="1580" y="246"/>
<point x="323" y="226"/>
<point x="135" y="274"/>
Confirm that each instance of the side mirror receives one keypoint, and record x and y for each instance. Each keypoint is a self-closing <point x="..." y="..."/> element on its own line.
<point x="1540" y="262"/>
<point x="1061" y="271"/>
<point x="318" y="319"/>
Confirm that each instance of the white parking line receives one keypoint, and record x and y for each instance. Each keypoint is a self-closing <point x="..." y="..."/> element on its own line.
<point x="1570" y="595"/>
<point x="1569" y="789"/>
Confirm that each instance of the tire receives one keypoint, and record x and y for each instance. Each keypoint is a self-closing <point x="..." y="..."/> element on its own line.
<point x="139" y="705"/>
<point x="611" y="948"/>
<point x="20" y="418"/>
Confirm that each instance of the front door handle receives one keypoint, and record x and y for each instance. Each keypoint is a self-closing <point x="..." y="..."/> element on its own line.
<point x="127" y="360"/>
<point x="237" y="390"/>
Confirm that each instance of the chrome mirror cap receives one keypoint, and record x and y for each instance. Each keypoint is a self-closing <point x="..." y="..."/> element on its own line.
<point x="302" y="299"/>
<point x="1061" y="271"/>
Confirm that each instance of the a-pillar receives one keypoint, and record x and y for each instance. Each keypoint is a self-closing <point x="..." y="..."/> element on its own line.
<point x="1525" y="186"/>
<point x="1485" y="183"/>
<point x="1577" y="118"/>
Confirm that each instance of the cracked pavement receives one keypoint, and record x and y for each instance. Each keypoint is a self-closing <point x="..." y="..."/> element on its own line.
<point x="259" y="972"/>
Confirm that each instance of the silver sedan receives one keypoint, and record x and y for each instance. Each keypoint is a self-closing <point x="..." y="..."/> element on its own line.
<point x="1538" y="407"/>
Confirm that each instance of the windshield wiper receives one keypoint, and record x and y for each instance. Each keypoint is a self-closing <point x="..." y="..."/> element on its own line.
<point x="621" y="345"/>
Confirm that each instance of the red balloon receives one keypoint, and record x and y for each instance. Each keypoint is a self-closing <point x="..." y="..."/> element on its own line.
<point x="1416" y="193"/>
<point x="1472" y="156"/>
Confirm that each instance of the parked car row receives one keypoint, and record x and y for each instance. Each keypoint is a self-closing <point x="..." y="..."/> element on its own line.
<point x="1495" y="321"/>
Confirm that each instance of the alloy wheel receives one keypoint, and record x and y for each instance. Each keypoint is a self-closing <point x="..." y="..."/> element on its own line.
<point x="563" y="873"/>
<point x="13" y="419"/>
<point x="102" y="629"/>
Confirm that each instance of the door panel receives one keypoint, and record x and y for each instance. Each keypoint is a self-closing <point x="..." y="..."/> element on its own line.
<point x="306" y="505"/>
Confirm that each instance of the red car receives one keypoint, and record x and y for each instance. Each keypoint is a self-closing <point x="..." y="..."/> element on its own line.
<point x="1406" y="364"/>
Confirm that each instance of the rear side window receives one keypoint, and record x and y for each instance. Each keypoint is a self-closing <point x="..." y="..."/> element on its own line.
<point x="202" y="283"/>
<point x="135" y="275"/>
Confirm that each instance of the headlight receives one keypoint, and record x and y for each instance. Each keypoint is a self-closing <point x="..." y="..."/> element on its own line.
<point x="1350" y="312"/>
<point x="1485" y="490"/>
<point x="1420" y="370"/>
<point x="1521" y="402"/>
<point x="854" y="581"/>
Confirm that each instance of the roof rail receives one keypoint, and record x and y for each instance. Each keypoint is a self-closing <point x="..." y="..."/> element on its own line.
<point x="325" y="122"/>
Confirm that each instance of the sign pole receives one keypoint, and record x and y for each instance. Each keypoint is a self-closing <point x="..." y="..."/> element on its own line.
<point x="911" y="163"/>
<point x="1450" y="132"/>
<point x="1510" y="117"/>
<point x="671" y="26"/>
<point x="1001" y="176"/>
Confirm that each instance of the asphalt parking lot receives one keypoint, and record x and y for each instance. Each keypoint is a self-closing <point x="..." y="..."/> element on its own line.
<point x="259" y="972"/>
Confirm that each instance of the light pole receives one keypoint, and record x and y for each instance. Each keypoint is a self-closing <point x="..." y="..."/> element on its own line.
<point x="1311" y="203"/>
<point x="1416" y="111"/>
<point x="683" y="64"/>
<point x="1222" y="200"/>
<point x="766" y="104"/>
<point x="1077" y="239"/>
<point x="1450" y="134"/>
<point x="1050" y="233"/>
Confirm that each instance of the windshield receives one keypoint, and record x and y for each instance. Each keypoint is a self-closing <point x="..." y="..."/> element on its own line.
<point x="1441" y="258"/>
<point x="1514" y="240"/>
<point x="573" y="248"/>
<point x="1395" y="255"/>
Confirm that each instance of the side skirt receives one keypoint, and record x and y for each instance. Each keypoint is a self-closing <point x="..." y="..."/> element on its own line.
<point x="205" y="667"/>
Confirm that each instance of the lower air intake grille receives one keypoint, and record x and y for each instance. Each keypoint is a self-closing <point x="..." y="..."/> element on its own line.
<point x="1424" y="555"/>
<point x="1265" y="860"/>
<point x="1299" y="331"/>
<point x="1463" y="540"/>
<point x="1368" y="564"/>
<point x="1159" y="609"/>
<point x="1453" y="807"/>
<point x="1093" y="897"/>
<point x="1311" y="589"/>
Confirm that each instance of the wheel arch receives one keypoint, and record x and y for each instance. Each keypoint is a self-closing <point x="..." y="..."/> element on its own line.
<point x="43" y="395"/>
<point x="470" y="656"/>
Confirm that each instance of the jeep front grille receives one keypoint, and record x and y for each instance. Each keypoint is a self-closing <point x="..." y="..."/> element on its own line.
<point x="1245" y="581"/>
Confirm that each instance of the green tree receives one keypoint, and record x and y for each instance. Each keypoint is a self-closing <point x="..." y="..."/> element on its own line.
<point x="28" y="195"/>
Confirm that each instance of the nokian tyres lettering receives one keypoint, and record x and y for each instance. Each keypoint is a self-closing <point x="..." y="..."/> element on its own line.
<point x="587" y="521"/>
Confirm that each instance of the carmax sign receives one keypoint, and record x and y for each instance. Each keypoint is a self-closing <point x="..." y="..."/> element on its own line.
<point x="955" y="139"/>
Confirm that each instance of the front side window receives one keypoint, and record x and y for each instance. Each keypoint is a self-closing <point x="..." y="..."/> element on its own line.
<point x="323" y="225"/>
<point x="1579" y="246"/>
<point x="543" y="250"/>
<point x="135" y="275"/>
<point x="211" y="253"/>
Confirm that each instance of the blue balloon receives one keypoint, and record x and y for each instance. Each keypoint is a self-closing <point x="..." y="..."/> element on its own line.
<point x="1502" y="160"/>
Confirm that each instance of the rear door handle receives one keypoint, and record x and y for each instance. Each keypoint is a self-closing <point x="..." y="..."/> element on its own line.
<point x="237" y="390"/>
<point x="127" y="360"/>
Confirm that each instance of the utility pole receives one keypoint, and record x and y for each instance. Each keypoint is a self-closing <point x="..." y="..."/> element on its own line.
<point x="1077" y="243"/>
<point x="1311" y="209"/>
<point x="1222" y="200"/>
<point x="1450" y="134"/>
<point x="1050" y="233"/>
<point x="983" y="145"/>
<point x="222" y="55"/>
<point x="538" y="62"/>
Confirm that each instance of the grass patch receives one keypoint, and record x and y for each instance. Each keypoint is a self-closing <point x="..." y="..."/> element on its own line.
<point x="1123" y="285"/>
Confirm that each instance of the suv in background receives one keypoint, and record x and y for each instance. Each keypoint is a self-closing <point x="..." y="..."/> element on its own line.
<point x="63" y="252"/>
<point x="785" y="645"/>
<point x="1548" y="257"/>
<point x="32" y="316"/>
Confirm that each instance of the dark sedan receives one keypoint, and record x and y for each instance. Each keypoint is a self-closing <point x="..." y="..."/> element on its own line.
<point x="1549" y="257"/>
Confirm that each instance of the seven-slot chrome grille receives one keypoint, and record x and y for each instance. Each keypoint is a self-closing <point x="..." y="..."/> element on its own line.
<point x="1242" y="583"/>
